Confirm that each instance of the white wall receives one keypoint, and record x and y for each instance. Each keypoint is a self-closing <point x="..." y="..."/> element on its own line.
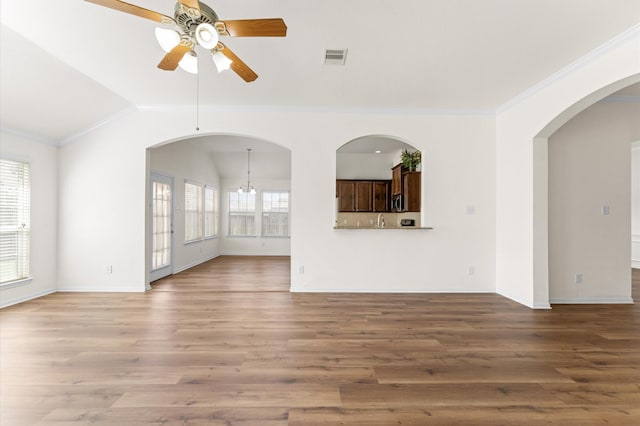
<point x="44" y="216"/>
<point x="635" y="205"/>
<point x="589" y="168"/>
<point x="460" y="173"/>
<point x="522" y="127"/>
<point x="257" y="245"/>
<point x="102" y="205"/>
<point x="186" y="161"/>
<point x="365" y="166"/>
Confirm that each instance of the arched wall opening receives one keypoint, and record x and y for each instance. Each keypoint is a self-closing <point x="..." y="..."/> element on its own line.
<point x="582" y="187"/>
<point x="371" y="181"/>
<point x="216" y="165"/>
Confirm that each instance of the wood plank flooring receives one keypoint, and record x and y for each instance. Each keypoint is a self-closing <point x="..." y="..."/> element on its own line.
<point x="226" y="343"/>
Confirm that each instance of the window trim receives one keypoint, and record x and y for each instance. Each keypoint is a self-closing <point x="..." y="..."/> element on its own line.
<point x="17" y="283"/>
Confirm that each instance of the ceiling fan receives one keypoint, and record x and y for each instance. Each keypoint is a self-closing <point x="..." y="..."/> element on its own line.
<point x="195" y="23"/>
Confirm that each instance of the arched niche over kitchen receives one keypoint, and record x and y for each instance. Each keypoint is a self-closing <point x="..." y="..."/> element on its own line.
<point x="373" y="186"/>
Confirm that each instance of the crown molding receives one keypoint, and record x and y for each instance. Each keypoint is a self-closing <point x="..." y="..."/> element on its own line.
<point x="30" y="136"/>
<point x="618" y="40"/>
<point x="113" y="117"/>
<point x="316" y="109"/>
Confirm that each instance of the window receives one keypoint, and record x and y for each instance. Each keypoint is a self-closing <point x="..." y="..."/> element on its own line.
<point x="192" y="212"/>
<point x="275" y="213"/>
<point x="242" y="214"/>
<point x="210" y="212"/>
<point x="15" y="203"/>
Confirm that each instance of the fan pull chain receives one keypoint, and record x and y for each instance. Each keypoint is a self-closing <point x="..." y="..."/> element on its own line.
<point x="198" y="99"/>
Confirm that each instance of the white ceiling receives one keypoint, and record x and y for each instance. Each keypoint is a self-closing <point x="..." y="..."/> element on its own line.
<point x="68" y="64"/>
<point x="42" y="95"/>
<point x="229" y="154"/>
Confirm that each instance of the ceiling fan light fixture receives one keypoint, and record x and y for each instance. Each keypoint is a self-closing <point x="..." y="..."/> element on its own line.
<point x="167" y="39"/>
<point x="222" y="62"/>
<point x="206" y="35"/>
<point x="189" y="63"/>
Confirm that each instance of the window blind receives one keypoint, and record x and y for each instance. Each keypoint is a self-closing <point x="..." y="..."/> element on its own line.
<point x="192" y="212"/>
<point x="275" y="213"/>
<point x="210" y="212"/>
<point x="242" y="213"/>
<point x="15" y="229"/>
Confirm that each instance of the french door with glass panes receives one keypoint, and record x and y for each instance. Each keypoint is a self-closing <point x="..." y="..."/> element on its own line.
<point x="162" y="226"/>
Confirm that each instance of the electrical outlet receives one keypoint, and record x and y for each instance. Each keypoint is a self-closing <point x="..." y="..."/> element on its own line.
<point x="578" y="278"/>
<point x="472" y="270"/>
<point x="109" y="269"/>
<point x="301" y="269"/>
<point x="605" y="210"/>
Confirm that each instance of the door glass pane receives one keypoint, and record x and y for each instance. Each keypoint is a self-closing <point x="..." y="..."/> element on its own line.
<point x="161" y="254"/>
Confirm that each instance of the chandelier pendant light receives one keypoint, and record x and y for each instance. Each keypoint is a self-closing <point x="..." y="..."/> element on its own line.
<point x="248" y="189"/>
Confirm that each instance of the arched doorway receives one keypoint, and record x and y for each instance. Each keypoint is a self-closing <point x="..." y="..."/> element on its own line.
<point x="205" y="170"/>
<point x="582" y="193"/>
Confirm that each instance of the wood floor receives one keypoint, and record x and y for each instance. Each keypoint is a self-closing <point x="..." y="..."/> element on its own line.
<point x="226" y="343"/>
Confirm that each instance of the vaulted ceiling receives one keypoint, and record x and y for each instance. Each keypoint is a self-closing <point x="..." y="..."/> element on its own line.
<point x="66" y="65"/>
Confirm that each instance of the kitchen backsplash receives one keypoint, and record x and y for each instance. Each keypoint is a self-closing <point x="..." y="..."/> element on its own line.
<point x="369" y="220"/>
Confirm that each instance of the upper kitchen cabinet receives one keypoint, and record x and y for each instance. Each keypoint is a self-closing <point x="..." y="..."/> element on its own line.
<point x="396" y="180"/>
<point x="405" y="193"/>
<point x="381" y="198"/>
<point x="363" y="195"/>
<point x="346" y="194"/>
<point x="411" y="191"/>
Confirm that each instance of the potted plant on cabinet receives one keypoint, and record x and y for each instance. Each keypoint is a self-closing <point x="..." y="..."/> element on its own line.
<point x="411" y="160"/>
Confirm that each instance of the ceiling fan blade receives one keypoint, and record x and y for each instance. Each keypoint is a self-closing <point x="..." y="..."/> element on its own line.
<point x="240" y="68"/>
<point x="192" y="4"/>
<point x="272" y="27"/>
<point x="172" y="59"/>
<point x="135" y="10"/>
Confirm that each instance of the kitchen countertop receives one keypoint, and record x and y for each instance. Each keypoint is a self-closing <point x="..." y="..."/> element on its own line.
<point x="414" y="228"/>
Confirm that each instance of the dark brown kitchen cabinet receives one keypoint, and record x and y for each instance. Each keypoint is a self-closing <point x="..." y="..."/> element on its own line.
<point x="346" y="193"/>
<point x="381" y="199"/>
<point x="396" y="180"/>
<point x="411" y="191"/>
<point x="363" y="195"/>
<point x="405" y="190"/>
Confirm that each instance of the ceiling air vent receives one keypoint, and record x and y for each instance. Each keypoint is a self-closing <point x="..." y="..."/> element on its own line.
<point x="335" y="56"/>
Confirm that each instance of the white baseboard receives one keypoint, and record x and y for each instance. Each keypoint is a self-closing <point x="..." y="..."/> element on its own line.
<point x="100" y="290"/>
<point x="301" y="288"/>
<point x="542" y="306"/>
<point x="593" y="301"/>
<point x="15" y="301"/>
<point x="256" y="253"/>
